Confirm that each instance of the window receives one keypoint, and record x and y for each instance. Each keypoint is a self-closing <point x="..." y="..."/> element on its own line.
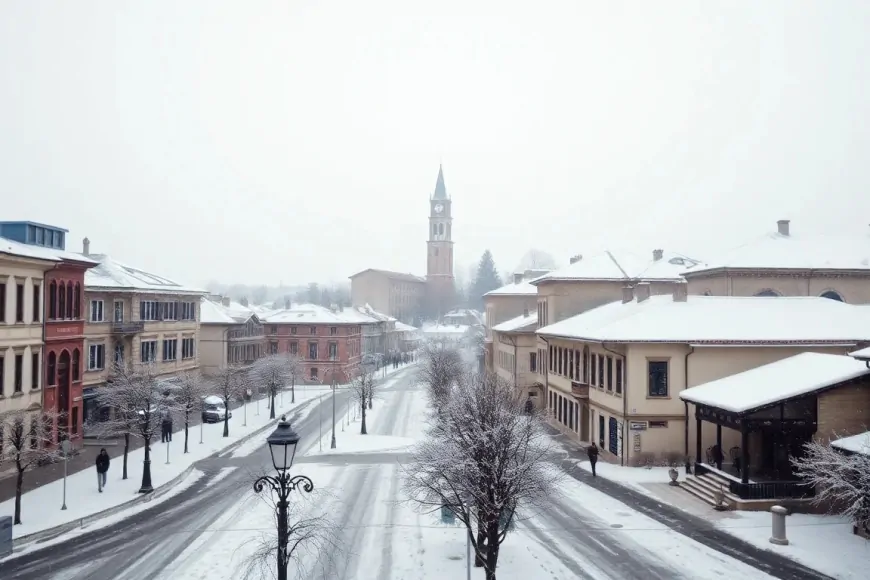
<point x="61" y="300"/>
<point x="96" y="357"/>
<point x="601" y="370"/>
<point x="312" y="330"/>
<point x="312" y="350"/>
<point x="292" y="329"/>
<point x="592" y="370"/>
<point x="34" y="439"/>
<point x="294" y="348"/>
<point x="273" y="348"/>
<point x="97" y="311"/>
<point x="70" y="298"/>
<point x="40" y="236"/>
<point x="168" y="311"/>
<point x="333" y="351"/>
<point x="56" y="240"/>
<point x="19" y="303"/>
<point x="36" y="302"/>
<point x="609" y="373"/>
<point x="119" y="354"/>
<point x="333" y="330"/>
<point x="19" y="372"/>
<point x="77" y="302"/>
<point x="52" y="300"/>
<point x="149" y="310"/>
<point x="187" y="348"/>
<point x="34" y="371"/>
<point x="313" y="373"/>
<point x="148" y="351"/>
<point x="188" y="310"/>
<point x="170" y="349"/>
<point x="768" y="293"/>
<point x="601" y="430"/>
<point x="51" y="372"/>
<point x="619" y="376"/>
<point x="533" y="362"/>
<point x="75" y="420"/>
<point x="658" y="378"/>
<point x="658" y="424"/>
<point x="833" y="295"/>
<point x="118" y="315"/>
<point x="586" y="364"/>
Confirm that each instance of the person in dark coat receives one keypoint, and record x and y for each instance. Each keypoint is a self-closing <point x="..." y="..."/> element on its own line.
<point x="530" y="406"/>
<point x="592" y="452"/>
<point x="102" y="469"/>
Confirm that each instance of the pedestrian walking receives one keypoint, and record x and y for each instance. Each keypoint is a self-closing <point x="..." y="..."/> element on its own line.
<point x="165" y="426"/>
<point x="102" y="469"/>
<point x="592" y="452"/>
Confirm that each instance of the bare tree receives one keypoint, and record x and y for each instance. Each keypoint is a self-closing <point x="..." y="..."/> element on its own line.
<point x="363" y="386"/>
<point x="841" y="480"/>
<point x="484" y="459"/>
<point x="135" y="397"/>
<point x="441" y="369"/>
<point x="229" y="384"/>
<point x="272" y="372"/>
<point x="296" y="372"/>
<point x="28" y="443"/>
<point x="187" y="397"/>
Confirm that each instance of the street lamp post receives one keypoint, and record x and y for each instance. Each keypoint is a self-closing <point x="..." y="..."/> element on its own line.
<point x="334" y="388"/>
<point x="65" y="448"/>
<point x="282" y="445"/>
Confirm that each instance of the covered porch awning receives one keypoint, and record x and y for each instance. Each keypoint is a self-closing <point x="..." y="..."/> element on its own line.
<point x="779" y="398"/>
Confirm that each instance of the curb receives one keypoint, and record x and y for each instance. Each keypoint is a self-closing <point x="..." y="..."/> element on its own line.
<point x="160" y="490"/>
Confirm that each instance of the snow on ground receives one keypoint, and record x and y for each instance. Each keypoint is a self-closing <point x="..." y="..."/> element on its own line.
<point x="353" y="442"/>
<point x="188" y="481"/>
<point x="256" y="443"/>
<point x="222" y="474"/>
<point x="629" y="476"/>
<point x="825" y="543"/>
<point x="40" y="508"/>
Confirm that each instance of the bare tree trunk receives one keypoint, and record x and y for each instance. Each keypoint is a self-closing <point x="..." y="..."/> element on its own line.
<point x="186" y="425"/>
<point x="362" y="430"/>
<point x="371" y="396"/>
<point x="272" y="405"/>
<point x="19" y="483"/>
<point x="492" y="547"/>
<point x="481" y="544"/>
<point x="126" y="449"/>
<point x="227" y="421"/>
<point x="293" y="390"/>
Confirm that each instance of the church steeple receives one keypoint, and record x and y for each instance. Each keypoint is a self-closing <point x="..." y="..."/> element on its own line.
<point x="440" y="188"/>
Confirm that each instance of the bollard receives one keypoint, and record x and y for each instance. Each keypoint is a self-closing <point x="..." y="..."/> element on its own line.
<point x="777" y="536"/>
<point x="5" y="536"/>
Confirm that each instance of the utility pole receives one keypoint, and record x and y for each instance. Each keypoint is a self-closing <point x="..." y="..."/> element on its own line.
<point x="334" y="387"/>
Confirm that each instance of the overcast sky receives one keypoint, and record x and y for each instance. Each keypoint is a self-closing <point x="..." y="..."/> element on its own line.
<point x="299" y="140"/>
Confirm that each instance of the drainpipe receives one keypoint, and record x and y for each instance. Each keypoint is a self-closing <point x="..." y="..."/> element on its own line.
<point x="686" y="386"/>
<point x="624" y="400"/>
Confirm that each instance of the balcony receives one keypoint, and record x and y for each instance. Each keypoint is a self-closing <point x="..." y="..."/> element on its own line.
<point x="579" y="390"/>
<point x="123" y="328"/>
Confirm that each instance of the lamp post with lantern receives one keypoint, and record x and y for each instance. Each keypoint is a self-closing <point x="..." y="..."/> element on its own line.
<point x="282" y="446"/>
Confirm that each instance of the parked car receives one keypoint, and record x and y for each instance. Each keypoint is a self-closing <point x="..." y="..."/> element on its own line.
<point x="213" y="410"/>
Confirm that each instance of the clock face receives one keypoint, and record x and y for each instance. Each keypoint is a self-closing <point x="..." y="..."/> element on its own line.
<point x="439" y="208"/>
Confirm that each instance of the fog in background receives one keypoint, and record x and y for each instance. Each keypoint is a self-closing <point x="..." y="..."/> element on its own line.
<point x="272" y="141"/>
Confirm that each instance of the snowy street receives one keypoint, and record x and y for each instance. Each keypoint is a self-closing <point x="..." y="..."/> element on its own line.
<point x="209" y="529"/>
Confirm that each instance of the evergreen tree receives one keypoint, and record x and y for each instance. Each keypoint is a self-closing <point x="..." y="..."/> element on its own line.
<point x="487" y="279"/>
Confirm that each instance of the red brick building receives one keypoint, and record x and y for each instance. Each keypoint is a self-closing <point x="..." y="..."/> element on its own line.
<point x="327" y="342"/>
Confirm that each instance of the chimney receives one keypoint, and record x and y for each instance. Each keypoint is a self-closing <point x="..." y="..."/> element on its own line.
<point x="244" y="301"/>
<point x="782" y="227"/>
<point x="518" y="277"/>
<point x="576" y="258"/>
<point x="627" y="294"/>
<point x="225" y="301"/>
<point x="642" y="291"/>
<point x="681" y="292"/>
<point x="657" y="254"/>
<point x="86" y="247"/>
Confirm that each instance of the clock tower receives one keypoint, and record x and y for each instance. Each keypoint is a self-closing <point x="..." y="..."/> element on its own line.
<point x="439" y="249"/>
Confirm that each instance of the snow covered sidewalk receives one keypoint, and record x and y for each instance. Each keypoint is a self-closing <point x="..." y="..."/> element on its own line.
<point x="41" y="508"/>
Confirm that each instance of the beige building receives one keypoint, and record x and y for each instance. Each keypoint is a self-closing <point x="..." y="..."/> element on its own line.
<point x="506" y="303"/>
<point x="393" y="293"/>
<point x="22" y="271"/>
<point x="134" y="317"/>
<point x="781" y="263"/>
<point x="516" y="355"/>
<point x="615" y="373"/>
<point x="230" y="334"/>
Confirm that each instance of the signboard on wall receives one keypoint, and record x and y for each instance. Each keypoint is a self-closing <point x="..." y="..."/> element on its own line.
<point x="637" y="425"/>
<point x="636" y="442"/>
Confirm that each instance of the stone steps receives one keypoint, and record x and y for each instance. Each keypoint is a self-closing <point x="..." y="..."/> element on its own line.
<point x="705" y="486"/>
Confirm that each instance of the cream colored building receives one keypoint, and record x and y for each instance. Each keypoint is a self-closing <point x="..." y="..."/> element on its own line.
<point x="133" y="318"/>
<point x="506" y="303"/>
<point x="393" y="293"/>
<point x="516" y="355"/>
<point x="782" y="263"/>
<point x="615" y="373"/>
<point x="230" y="333"/>
<point x="22" y="270"/>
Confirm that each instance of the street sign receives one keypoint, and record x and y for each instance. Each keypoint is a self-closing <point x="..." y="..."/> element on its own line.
<point x="5" y="536"/>
<point x="447" y="515"/>
<point x="64" y="446"/>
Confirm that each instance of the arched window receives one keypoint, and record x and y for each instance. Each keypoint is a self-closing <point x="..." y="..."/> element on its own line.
<point x="52" y="300"/>
<point x="61" y="300"/>
<point x="768" y="293"/>
<point x="52" y="366"/>
<point x="69" y="300"/>
<point x="833" y="295"/>
<point x="75" y="364"/>
<point x="440" y="229"/>
<point x="434" y="229"/>
<point x="77" y="304"/>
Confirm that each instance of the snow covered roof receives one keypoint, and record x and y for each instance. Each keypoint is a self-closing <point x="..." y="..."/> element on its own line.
<point x="112" y="275"/>
<point x="718" y="320"/>
<point x="863" y="354"/>
<point x="778" y="381"/>
<point x="367" y="314"/>
<point x="14" y="248"/>
<point x="620" y="265"/>
<point x="315" y="314"/>
<point x="445" y="329"/>
<point x="216" y="313"/>
<point x="799" y="252"/>
<point x="390" y="274"/>
<point x="402" y="327"/>
<point x="523" y="322"/>
<point x="523" y="288"/>
<point x="859" y="443"/>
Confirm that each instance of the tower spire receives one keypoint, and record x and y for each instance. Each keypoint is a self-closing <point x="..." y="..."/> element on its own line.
<point x="440" y="188"/>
